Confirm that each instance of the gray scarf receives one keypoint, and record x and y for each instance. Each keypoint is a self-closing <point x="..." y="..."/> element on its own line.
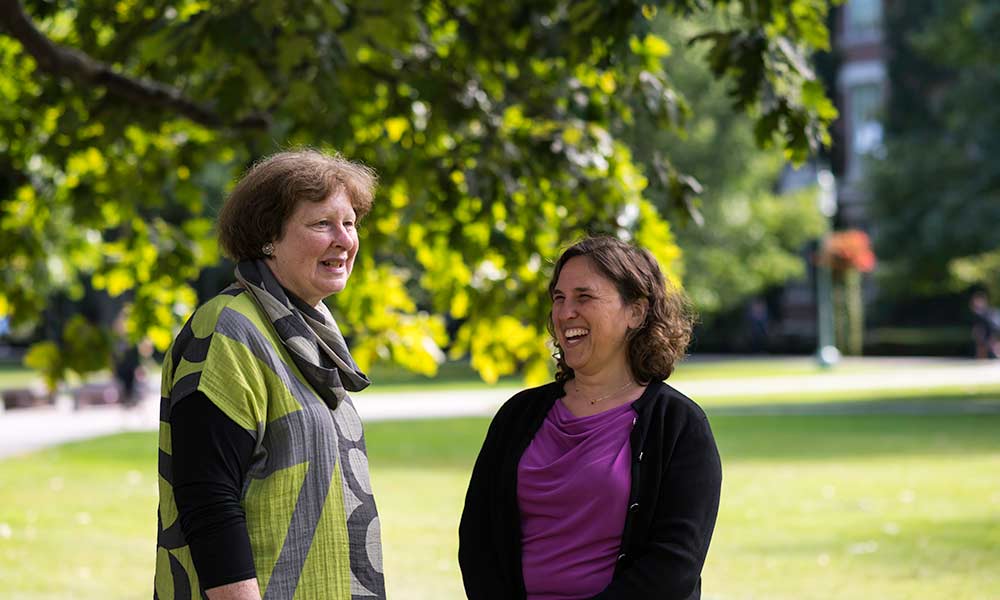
<point x="311" y="337"/>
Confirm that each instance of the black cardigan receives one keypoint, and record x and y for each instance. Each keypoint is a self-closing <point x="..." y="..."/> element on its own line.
<point x="673" y="502"/>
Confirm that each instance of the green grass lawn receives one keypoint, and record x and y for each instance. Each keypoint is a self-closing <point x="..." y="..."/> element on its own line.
<point x="880" y="507"/>
<point x="813" y="507"/>
<point x="78" y="521"/>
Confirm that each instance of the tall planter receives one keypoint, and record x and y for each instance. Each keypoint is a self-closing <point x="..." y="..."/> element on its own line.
<point x="849" y="312"/>
<point x="848" y="254"/>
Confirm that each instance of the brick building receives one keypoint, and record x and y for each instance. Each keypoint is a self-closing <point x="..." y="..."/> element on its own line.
<point x="861" y="81"/>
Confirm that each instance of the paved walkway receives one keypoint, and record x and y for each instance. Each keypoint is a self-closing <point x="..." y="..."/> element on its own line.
<point x="25" y="430"/>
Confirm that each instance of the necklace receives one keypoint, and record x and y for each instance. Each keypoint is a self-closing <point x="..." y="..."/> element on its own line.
<point x="576" y="387"/>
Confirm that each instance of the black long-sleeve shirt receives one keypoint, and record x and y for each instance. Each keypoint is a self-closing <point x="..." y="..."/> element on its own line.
<point x="673" y="501"/>
<point x="210" y="455"/>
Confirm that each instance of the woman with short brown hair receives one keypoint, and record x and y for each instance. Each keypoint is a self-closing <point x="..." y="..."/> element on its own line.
<point x="264" y="485"/>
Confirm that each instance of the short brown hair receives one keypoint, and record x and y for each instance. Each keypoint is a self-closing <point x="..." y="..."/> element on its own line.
<point x="656" y="345"/>
<point x="256" y="210"/>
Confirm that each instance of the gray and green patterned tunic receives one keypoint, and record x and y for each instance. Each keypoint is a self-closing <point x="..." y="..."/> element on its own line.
<point x="313" y="528"/>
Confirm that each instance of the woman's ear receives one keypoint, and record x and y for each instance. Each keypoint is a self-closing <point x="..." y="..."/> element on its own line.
<point x="637" y="313"/>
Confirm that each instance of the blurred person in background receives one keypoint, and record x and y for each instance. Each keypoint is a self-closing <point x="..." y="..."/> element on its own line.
<point x="985" y="326"/>
<point x="264" y="484"/>
<point x="758" y="325"/>
<point x="126" y="362"/>
<point x="604" y="483"/>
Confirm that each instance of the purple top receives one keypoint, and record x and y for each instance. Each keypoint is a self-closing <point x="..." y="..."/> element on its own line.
<point x="572" y="491"/>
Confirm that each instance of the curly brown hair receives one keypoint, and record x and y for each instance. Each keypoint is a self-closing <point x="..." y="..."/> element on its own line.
<point x="258" y="207"/>
<point x="656" y="345"/>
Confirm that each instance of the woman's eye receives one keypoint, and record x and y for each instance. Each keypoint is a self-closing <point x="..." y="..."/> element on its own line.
<point x="348" y="224"/>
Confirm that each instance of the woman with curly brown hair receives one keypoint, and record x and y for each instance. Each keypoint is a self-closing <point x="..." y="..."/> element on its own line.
<point x="604" y="483"/>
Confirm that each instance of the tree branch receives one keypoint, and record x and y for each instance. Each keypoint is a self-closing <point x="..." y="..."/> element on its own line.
<point x="81" y="68"/>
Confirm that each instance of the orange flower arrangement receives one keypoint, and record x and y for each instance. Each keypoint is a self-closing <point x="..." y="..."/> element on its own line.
<point x="848" y="249"/>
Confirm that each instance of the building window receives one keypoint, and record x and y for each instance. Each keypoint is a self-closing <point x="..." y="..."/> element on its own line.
<point x="863" y="18"/>
<point x="864" y="108"/>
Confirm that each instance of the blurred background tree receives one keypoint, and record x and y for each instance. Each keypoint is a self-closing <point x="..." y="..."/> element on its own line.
<point x="935" y="185"/>
<point x="500" y="131"/>
<point x="740" y="237"/>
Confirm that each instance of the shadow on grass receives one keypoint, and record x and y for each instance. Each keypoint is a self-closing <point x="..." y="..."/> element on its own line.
<point x="969" y="404"/>
<point x="780" y="438"/>
<point x="123" y="449"/>
<point x="791" y="438"/>
<point x="420" y="443"/>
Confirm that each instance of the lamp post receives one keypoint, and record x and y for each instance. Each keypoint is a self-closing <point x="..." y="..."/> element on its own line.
<point x="826" y="351"/>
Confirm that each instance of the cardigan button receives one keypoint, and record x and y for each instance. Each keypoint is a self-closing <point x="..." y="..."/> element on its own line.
<point x="621" y="557"/>
<point x="634" y="508"/>
<point x="640" y="456"/>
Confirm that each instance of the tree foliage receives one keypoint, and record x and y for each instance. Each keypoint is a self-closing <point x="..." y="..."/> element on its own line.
<point x="935" y="189"/>
<point x="497" y="130"/>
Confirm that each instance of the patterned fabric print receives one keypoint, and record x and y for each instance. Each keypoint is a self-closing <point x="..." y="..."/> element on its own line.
<point x="325" y="546"/>
<point x="175" y="573"/>
<point x="313" y="339"/>
<point x="361" y="515"/>
<point x="359" y="504"/>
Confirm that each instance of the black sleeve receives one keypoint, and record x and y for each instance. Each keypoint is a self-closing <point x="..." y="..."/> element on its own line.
<point x="210" y="458"/>
<point x="670" y="569"/>
<point x="479" y="556"/>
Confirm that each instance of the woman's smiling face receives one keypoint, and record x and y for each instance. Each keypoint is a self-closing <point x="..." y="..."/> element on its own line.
<point x="315" y="255"/>
<point x="590" y="319"/>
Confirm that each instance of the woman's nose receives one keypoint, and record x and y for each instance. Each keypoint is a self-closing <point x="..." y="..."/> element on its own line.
<point x="342" y="237"/>
<point x="565" y="310"/>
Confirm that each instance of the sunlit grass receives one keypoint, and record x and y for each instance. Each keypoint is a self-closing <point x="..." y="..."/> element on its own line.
<point x="814" y="507"/>
<point x="78" y="521"/>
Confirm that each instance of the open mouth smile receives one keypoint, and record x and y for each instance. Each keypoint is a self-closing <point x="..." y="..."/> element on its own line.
<point x="334" y="263"/>
<point x="574" y="335"/>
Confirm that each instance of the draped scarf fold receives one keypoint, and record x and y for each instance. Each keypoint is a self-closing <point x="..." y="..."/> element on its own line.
<point x="309" y="333"/>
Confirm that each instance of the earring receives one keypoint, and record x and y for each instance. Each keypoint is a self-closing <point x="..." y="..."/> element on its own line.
<point x="268" y="249"/>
